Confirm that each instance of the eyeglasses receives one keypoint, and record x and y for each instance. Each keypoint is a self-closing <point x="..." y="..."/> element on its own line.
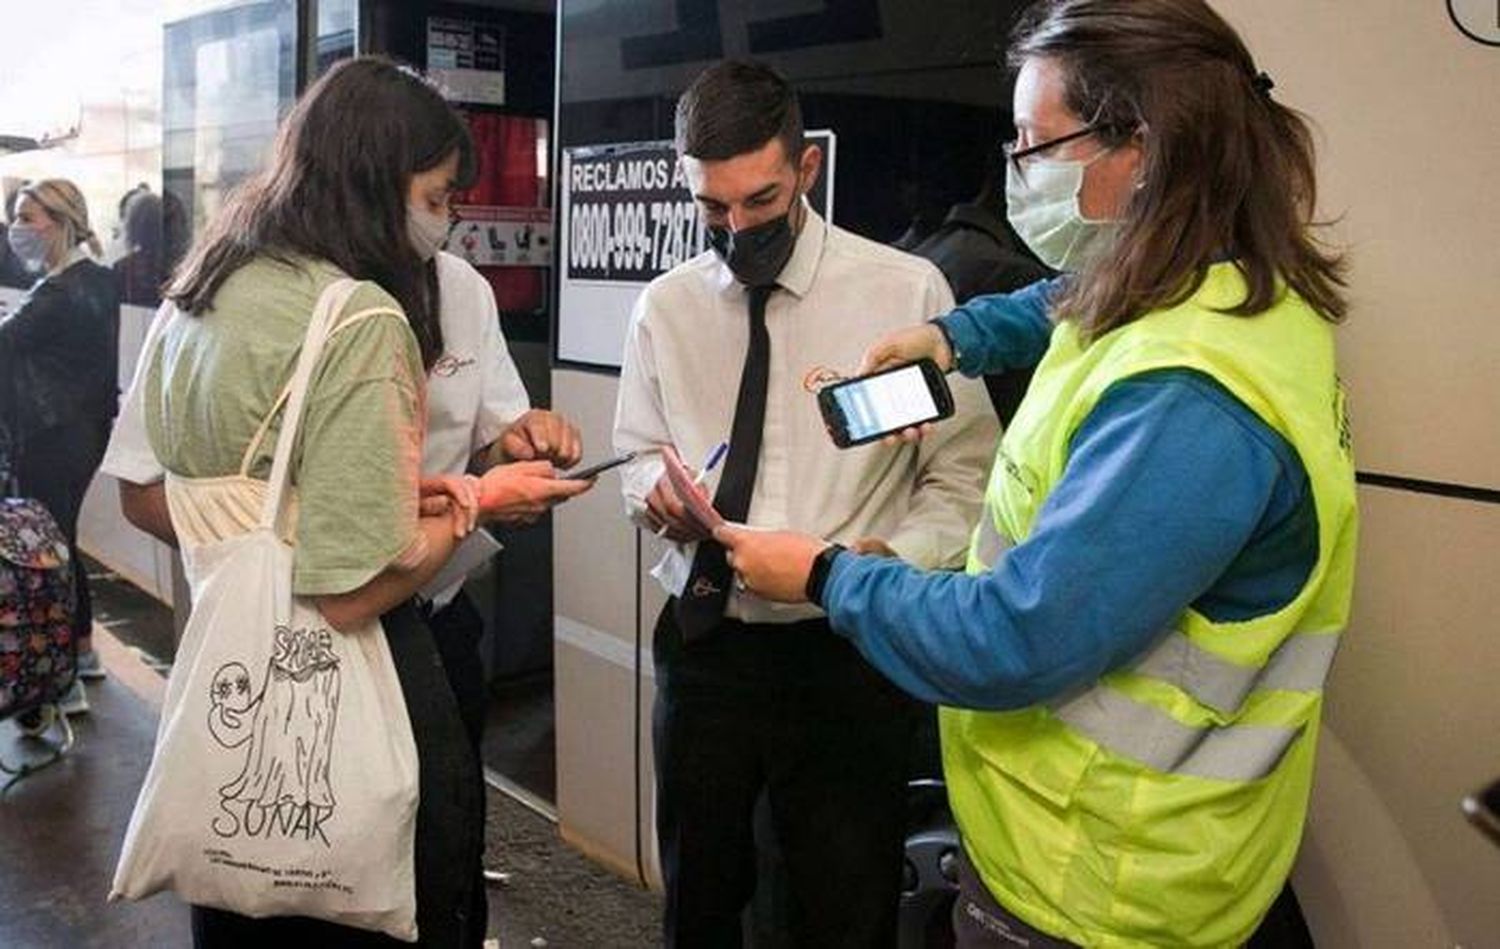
<point x="1016" y="156"/>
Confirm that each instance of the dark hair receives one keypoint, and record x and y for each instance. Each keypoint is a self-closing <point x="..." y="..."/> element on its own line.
<point x="336" y="190"/>
<point x="1227" y="172"/>
<point x="140" y="224"/>
<point x="735" y="107"/>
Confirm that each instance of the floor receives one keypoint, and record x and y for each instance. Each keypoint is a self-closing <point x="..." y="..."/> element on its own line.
<point x="520" y="740"/>
<point x="139" y="620"/>
<point x="554" y="894"/>
<point x="62" y="827"/>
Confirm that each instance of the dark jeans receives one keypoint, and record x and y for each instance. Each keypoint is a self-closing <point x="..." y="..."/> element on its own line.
<point x="55" y="468"/>
<point x="791" y="709"/>
<point x="449" y="842"/>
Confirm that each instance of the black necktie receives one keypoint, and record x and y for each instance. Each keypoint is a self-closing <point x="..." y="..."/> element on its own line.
<point x="700" y="608"/>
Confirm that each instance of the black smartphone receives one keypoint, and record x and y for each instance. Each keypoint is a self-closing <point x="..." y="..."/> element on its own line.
<point x="583" y="474"/>
<point x="863" y="410"/>
<point x="1483" y="810"/>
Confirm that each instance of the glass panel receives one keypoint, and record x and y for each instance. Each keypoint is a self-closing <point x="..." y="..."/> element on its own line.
<point x="338" y="32"/>
<point x="230" y="76"/>
<point x="106" y="94"/>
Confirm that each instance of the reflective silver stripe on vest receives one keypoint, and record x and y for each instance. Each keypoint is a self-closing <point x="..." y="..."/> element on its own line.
<point x="989" y="544"/>
<point x="1157" y="740"/>
<point x="1299" y="664"/>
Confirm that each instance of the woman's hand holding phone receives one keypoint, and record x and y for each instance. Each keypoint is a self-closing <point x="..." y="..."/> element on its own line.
<point x="909" y="344"/>
<point x="519" y="493"/>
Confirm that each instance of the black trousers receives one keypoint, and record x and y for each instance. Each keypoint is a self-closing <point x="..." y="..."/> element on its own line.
<point x="449" y="840"/>
<point x="55" y="468"/>
<point x="457" y="629"/>
<point x="791" y="709"/>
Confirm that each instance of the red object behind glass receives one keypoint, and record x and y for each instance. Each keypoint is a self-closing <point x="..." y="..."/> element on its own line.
<point x="508" y="177"/>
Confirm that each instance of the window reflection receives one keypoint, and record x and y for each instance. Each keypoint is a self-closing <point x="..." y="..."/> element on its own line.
<point x="230" y="75"/>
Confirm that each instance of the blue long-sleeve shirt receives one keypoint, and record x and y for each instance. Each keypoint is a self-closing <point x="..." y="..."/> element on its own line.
<point x="1175" y="494"/>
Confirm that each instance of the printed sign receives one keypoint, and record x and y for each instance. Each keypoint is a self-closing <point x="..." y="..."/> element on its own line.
<point x="627" y="217"/>
<point x="631" y="215"/>
<point x="467" y="59"/>
<point x="488" y="236"/>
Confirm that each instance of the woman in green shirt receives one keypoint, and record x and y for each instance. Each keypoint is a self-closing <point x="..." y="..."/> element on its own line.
<point x="359" y="181"/>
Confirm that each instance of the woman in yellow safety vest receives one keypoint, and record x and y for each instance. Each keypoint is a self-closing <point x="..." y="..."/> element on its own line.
<point x="1131" y="671"/>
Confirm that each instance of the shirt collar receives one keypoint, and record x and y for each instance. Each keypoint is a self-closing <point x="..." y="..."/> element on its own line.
<point x="802" y="267"/>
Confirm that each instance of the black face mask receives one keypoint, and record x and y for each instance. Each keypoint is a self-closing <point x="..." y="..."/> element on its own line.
<point x="756" y="255"/>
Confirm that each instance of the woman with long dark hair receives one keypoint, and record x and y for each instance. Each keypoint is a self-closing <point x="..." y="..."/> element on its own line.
<point x="59" y="369"/>
<point x="358" y="185"/>
<point x="1132" y="668"/>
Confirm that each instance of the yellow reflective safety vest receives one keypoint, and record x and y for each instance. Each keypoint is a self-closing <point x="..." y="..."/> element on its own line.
<point x="1163" y="804"/>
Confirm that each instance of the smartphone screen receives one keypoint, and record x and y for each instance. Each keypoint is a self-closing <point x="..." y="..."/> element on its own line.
<point x="885" y="403"/>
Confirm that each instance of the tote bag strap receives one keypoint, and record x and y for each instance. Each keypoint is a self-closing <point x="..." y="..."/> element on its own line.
<point x="247" y="460"/>
<point x="330" y="303"/>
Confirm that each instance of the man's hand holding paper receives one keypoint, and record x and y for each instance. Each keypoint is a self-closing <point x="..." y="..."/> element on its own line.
<point x="694" y="498"/>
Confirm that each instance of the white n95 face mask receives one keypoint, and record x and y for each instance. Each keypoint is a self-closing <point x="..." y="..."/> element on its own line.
<point x="1043" y="208"/>
<point x="427" y="232"/>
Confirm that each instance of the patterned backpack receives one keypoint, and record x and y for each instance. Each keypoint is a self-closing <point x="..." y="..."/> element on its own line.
<point x="37" y="650"/>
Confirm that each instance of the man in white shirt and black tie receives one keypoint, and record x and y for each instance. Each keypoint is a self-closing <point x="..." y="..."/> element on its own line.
<point x="754" y="695"/>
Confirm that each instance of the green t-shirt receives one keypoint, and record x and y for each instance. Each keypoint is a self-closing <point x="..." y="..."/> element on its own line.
<point x="358" y="456"/>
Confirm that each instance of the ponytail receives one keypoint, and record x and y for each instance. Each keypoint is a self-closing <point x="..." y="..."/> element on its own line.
<point x="64" y="203"/>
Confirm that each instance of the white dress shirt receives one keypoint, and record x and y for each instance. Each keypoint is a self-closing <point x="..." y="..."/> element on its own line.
<point x="684" y="355"/>
<point x="473" y="391"/>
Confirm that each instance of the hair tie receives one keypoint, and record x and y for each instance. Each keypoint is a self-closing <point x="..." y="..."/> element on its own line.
<point x="1263" y="84"/>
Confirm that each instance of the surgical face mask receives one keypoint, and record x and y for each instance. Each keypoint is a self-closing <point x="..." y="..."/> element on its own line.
<point x="1043" y="208"/>
<point x="427" y="232"/>
<point x="29" y="244"/>
<point x="756" y="255"/>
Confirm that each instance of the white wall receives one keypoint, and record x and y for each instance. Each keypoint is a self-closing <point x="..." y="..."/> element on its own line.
<point x="1409" y="116"/>
<point x="1409" y="111"/>
<point x="603" y="681"/>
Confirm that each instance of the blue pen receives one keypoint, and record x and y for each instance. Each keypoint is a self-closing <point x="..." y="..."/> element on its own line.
<point x="714" y="457"/>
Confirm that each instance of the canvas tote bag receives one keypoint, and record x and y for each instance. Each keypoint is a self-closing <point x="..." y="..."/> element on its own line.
<point x="284" y="779"/>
